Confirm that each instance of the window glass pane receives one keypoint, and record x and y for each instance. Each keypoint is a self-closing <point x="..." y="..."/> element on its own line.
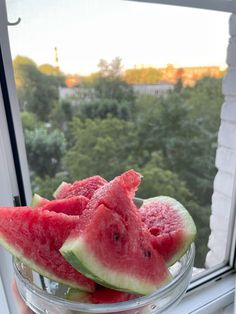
<point x="106" y="86"/>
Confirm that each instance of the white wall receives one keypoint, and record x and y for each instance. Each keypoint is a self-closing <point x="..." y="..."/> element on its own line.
<point x="225" y="160"/>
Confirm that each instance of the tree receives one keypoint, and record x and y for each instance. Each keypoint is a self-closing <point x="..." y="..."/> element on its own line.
<point x="104" y="107"/>
<point x="181" y="127"/>
<point x="188" y="149"/>
<point x="61" y="114"/>
<point x="158" y="180"/>
<point x="107" y="87"/>
<point x="205" y="100"/>
<point x="146" y="106"/>
<point x="30" y="121"/>
<point x="44" y="151"/>
<point x="104" y="147"/>
<point x="49" y="69"/>
<point x="54" y="73"/>
<point x="36" y="91"/>
<point x="112" y="69"/>
<point x="109" y="84"/>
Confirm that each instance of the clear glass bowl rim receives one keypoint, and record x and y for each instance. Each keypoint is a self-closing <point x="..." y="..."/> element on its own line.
<point x="114" y="307"/>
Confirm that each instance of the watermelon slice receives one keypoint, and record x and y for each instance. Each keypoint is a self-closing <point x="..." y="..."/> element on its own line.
<point x="71" y="206"/>
<point x="99" y="296"/>
<point x="124" y="259"/>
<point x="171" y="226"/>
<point x="35" y="236"/>
<point x="85" y="187"/>
<point x="38" y="201"/>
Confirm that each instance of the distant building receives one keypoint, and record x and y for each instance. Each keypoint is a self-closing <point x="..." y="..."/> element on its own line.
<point x="189" y="75"/>
<point x="76" y="94"/>
<point x="67" y="92"/>
<point x="159" y="89"/>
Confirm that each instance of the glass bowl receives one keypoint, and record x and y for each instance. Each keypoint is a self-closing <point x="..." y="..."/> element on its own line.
<point x="45" y="296"/>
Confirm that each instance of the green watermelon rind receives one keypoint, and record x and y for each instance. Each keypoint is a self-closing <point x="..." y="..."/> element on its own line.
<point x="59" y="189"/>
<point x="76" y="295"/>
<point x="190" y="229"/>
<point x="40" y="270"/>
<point x="36" y="199"/>
<point x="76" y="252"/>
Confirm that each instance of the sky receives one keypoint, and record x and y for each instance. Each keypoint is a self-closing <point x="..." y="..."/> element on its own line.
<point x="141" y="34"/>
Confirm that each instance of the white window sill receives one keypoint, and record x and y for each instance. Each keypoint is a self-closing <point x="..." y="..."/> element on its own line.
<point x="209" y="299"/>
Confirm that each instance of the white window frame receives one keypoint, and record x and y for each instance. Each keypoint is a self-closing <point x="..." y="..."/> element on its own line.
<point x="213" y="293"/>
<point x="8" y="181"/>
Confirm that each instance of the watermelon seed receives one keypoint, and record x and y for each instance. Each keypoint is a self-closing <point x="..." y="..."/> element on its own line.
<point x="116" y="236"/>
<point x="147" y="253"/>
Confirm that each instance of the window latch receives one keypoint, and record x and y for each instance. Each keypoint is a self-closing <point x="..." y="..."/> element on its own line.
<point x="16" y="200"/>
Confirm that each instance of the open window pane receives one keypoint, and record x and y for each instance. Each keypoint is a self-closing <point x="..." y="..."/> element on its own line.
<point x="104" y="87"/>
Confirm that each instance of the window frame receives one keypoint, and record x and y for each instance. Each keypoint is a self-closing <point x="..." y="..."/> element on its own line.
<point x="219" y="282"/>
<point x="15" y="181"/>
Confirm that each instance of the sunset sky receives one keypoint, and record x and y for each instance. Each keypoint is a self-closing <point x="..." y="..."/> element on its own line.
<point x="142" y="34"/>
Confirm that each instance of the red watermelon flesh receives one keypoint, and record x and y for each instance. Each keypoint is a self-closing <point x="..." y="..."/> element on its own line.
<point x="116" y="194"/>
<point x="71" y="206"/>
<point x="99" y="296"/>
<point x="106" y="296"/>
<point x="35" y="236"/>
<point x="124" y="259"/>
<point x="171" y="226"/>
<point x="85" y="187"/>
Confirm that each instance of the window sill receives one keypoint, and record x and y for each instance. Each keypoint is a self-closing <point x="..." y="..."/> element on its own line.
<point x="212" y="297"/>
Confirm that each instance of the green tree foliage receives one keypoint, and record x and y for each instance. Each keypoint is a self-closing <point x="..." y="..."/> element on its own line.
<point x="104" y="107"/>
<point x="112" y="69"/>
<point x="201" y="217"/>
<point x="183" y="126"/>
<point x="30" y="121"/>
<point x="49" y="69"/>
<point x="113" y="88"/>
<point x="205" y="100"/>
<point x="188" y="148"/>
<point x="61" y="114"/>
<point x="36" y="91"/>
<point x="44" y="151"/>
<point x="108" y="84"/>
<point x="110" y="94"/>
<point x="47" y="185"/>
<point x="158" y="180"/>
<point x="53" y="71"/>
<point x="101" y="147"/>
